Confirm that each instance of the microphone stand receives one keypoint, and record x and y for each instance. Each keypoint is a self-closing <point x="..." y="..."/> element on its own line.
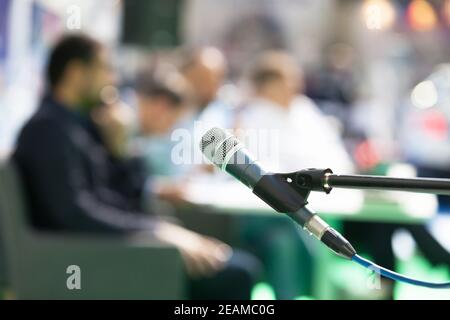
<point x="305" y="181"/>
<point x="324" y="180"/>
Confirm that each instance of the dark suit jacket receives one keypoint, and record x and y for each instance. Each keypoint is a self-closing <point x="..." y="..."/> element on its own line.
<point x="71" y="180"/>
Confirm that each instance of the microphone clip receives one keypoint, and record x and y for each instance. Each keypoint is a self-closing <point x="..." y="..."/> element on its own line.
<point x="288" y="192"/>
<point x="307" y="180"/>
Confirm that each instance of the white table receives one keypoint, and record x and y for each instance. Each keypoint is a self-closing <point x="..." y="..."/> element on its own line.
<point x="347" y="204"/>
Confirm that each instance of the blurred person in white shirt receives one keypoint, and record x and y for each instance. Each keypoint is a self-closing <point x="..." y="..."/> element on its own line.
<point x="304" y="137"/>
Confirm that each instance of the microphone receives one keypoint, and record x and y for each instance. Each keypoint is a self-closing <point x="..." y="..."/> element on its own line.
<point x="226" y="152"/>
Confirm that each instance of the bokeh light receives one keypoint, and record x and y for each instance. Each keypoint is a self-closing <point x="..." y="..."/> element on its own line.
<point x="421" y="15"/>
<point x="424" y="95"/>
<point x="378" y="14"/>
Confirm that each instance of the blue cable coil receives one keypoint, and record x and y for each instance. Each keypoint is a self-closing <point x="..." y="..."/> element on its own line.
<point x="396" y="276"/>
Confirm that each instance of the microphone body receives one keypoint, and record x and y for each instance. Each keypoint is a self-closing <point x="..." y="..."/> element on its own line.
<point x="225" y="151"/>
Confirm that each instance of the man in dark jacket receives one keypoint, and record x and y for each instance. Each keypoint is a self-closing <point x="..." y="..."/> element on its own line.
<point x="77" y="180"/>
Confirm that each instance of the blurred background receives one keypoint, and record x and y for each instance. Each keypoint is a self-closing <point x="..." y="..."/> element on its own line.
<point x="375" y="73"/>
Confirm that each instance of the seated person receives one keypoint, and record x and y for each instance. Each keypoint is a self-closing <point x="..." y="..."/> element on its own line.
<point x="304" y="137"/>
<point x="215" y="101"/>
<point x="205" y="70"/>
<point x="76" y="183"/>
<point x="161" y="103"/>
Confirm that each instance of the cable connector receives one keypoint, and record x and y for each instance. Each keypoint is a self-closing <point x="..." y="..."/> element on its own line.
<point x="336" y="242"/>
<point x="330" y="237"/>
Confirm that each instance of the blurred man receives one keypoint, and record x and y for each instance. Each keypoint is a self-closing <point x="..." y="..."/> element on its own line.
<point x="161" y="103"/>
<point x="306" y="139"/>
<point x="75" y="183"/>
<point x="205" y="70"/>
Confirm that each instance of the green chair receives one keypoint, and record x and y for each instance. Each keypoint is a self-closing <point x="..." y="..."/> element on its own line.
<point x="37" y="263"/>
<point x="3" y="280"/>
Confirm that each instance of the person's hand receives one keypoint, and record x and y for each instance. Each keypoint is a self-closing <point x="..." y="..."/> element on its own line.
<point x="114" y="122"/>
<point x="203" y="256"/>
<point x="170" y="191"/>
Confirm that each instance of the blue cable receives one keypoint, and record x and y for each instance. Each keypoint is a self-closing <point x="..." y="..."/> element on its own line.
<point x="396" y="276"/>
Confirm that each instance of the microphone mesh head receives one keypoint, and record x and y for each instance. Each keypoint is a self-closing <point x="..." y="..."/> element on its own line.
<point x="216" y="143"/>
